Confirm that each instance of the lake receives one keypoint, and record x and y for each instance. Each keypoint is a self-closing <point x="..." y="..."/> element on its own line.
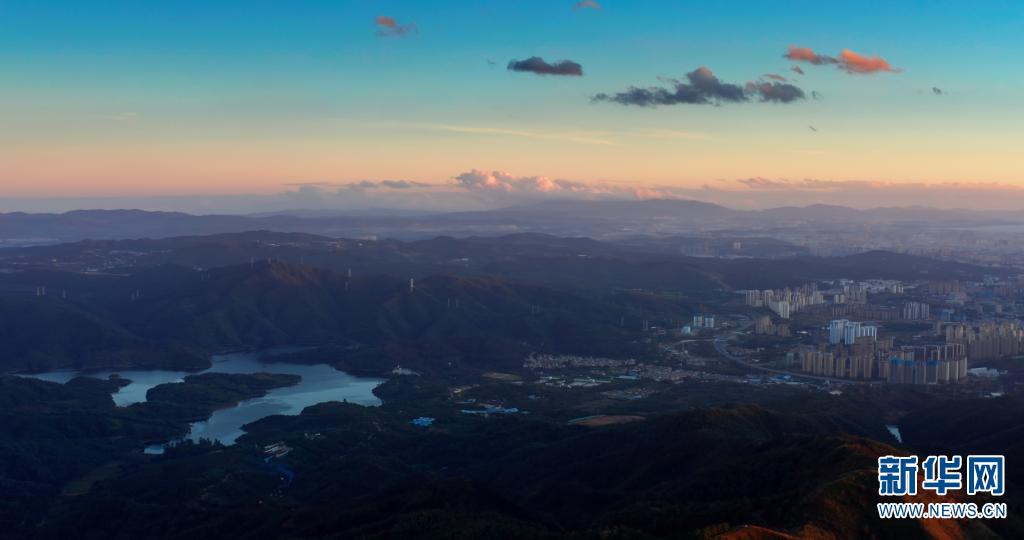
<point x="320" y="383"/>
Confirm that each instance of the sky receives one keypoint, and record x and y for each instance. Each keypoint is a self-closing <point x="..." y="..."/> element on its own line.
<point x="245" y="106"/>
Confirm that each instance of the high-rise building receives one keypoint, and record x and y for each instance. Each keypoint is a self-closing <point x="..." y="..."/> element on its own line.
<point x="916" y="311"/>
<point x="782" y="308"/>
<point x="835" y="330"/>
<point x="846" y="331"/>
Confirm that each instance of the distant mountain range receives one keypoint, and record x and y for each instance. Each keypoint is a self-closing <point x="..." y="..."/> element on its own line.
<point x="567" y="218"/>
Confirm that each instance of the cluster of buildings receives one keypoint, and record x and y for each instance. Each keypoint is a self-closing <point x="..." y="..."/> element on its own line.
<point x="880" y="360"/>
<point x="859" y="359"/>
<point x="986" y="340"/>
<point x="973" y="321"/>
<point x="665" y="373"/>
<point x="828" y="364"/>
<point x="845" y="292"/>
<point x="909" y="311"/>
<point x="562" y="361"/>
<point x="787" y="301"/>
<point x="869" y="312"/>
<point x="942" y="288"/>
<point x="854" y="351"/>
<point x="847" y="298"/>
<point x="926" y="364"/>
<point x="764" y="326"/>
<point x="849" y="293"/>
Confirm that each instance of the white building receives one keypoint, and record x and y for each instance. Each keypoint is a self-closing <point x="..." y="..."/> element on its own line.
<point x="703" y="321"/>
<point x="847" y="332"/>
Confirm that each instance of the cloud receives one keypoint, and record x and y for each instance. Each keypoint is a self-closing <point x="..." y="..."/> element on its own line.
<point x="500" y="187"/>
<point x="852" y="62"/>
<point x="805" y="54"/>
<point x="758" y="182"/>
<point x="775" y="77"/>
<point x="476" y="180"/>
<point x="807" y="184"/>
<point x="848" y="61"/>
<point x="776" y="92"/>
<point x="480" y="189"/>
<point x="314" y="185"/>
<point x="703" y="80"/>
<point x="937" y="91"/>
<point x="586" y="4"/>
<point x="536" y="64"/>
<point x="703" y="88"/>
<point x="389" y="27"/>
<point x="797" y="70"/>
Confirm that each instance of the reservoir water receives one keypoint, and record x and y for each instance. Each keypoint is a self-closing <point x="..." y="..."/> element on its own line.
<point x="320" y="383"/>
<point x="135" y="392"/>
<point x="895" y="432"/>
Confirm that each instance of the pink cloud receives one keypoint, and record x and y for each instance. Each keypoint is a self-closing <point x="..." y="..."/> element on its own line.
<point x="848" y="61"/>
<point x="500" y="185"/>
<point x="852" y="62"/>
<point x="806" y="54"/>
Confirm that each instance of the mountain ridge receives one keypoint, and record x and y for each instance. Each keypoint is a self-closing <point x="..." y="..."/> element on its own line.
<point x="564" y="217"/>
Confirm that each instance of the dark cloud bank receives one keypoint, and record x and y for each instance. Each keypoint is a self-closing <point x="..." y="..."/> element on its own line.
<point x="702" y="87"/>
<point x="536" y="64"/>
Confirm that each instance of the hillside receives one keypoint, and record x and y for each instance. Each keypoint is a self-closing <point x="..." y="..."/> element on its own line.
<point x="677" y="475"/>
<point x="168" y="316"/>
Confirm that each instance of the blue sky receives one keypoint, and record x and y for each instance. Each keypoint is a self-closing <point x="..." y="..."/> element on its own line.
<point x="160" y="97"/>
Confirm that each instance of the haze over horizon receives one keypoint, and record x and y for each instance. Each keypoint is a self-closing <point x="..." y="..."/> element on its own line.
<point x="240" y="107"/>
<point x="405" y="196"/>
